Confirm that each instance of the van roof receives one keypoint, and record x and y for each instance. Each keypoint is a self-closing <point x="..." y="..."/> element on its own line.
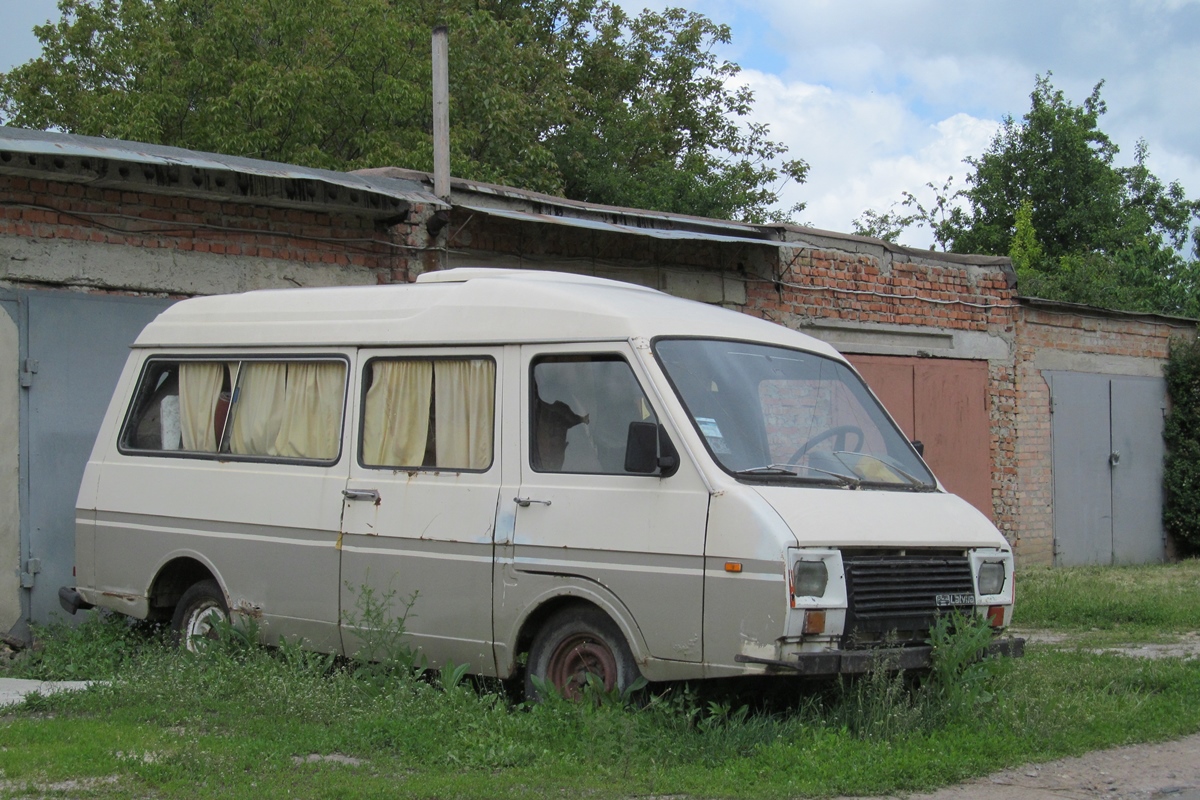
<point x="457" y="306"/>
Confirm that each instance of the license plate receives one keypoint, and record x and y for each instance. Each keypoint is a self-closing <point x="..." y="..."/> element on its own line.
<point x="944" y="600"/>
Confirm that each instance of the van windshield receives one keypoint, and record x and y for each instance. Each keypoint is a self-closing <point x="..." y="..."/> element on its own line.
<point x="770" y="413"/>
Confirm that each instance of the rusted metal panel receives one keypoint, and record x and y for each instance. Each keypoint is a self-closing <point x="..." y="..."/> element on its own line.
<point x="950" y="398"/>
<point x="892" y="381"/>
<point x="943" y="403"/>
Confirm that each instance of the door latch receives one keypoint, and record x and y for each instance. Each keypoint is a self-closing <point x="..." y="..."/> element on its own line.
<point x="525" y="502"/>
<point x="1114" y="458"/>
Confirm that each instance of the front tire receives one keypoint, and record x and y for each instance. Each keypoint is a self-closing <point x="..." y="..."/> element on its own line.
<point x="196" y="614"/>
<point x="574" y="643"/>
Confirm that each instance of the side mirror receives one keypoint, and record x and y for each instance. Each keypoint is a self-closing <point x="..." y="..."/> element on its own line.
<point x="643" y="445"/>
<point x="641" y="448"/>
<point x="919" y="446"/>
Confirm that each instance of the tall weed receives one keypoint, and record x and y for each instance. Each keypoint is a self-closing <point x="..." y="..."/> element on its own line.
<point x="95" y="649"/>
<point x="380" y="620"/>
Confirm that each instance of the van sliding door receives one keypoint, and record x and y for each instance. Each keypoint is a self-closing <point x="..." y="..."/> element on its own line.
<point x="419" y="507"/>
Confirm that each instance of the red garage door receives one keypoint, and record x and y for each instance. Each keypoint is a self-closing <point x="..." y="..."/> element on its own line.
<point x="942" y="402"/>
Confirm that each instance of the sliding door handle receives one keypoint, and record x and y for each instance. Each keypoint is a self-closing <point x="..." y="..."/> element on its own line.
<point x="371" y="495"/>
<point x="525" y="502"/>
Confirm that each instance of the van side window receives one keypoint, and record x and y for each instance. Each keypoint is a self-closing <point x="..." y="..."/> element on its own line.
<point x="431" y="413"/>
<point x="581" y="410"/>
<point x="254" y="408"/>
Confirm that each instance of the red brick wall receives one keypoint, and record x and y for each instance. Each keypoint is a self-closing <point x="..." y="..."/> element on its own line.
<point x="41" y="209"/>
<point x="831" y="284"/>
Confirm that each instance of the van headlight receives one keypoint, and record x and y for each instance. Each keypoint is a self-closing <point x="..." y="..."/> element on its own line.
<point x="809" y="578"/>
<point x="991" y="577"/>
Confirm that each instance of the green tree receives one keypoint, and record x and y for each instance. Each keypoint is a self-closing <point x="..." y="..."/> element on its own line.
<point x="560" y="96"/>
<point x="1047" y="193"/>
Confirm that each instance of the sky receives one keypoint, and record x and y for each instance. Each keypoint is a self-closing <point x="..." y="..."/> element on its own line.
<point x="884" y="96"/>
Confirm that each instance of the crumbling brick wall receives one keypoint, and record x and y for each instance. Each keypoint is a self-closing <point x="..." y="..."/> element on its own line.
<point x="150" y="243"/>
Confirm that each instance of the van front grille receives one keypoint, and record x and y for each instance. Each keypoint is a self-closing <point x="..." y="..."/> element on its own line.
<point x="899" y="596"/>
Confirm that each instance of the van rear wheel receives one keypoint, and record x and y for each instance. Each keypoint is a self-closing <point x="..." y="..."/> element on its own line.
<point x="197" y="613"/>
<point x="573" y="644"/>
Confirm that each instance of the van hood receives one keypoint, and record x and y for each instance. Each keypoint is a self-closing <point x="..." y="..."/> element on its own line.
<point x="821" y="517"/>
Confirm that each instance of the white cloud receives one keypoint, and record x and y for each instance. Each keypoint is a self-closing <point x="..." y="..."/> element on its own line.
<point x="864" y="150"/>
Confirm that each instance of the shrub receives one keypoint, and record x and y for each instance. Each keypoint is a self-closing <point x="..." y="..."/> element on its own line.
<point x="1181" y="474"/>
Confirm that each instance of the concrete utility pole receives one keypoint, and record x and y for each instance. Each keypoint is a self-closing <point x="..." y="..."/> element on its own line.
<point x="441" y="113"/>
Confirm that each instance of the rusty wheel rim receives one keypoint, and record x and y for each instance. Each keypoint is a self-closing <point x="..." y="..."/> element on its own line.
<point x="202" y="624"/>
<point x="575" y="658"/>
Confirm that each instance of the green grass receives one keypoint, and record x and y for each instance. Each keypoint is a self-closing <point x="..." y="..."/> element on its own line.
<point x="1144" y="601"/>
<point x="239" y="721"/>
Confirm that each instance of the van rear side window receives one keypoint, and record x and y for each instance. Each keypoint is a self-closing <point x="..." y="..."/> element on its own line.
<point x="429" y="413"/>
<point x="257" y="409"/>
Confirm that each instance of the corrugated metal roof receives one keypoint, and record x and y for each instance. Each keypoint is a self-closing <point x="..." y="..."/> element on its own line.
<point x="611" y="227"/>
<point x="44" y="143"/>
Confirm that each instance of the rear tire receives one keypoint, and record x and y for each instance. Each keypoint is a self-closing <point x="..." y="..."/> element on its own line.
<point x="574" y="643"/>
<point x="197" y="611"/>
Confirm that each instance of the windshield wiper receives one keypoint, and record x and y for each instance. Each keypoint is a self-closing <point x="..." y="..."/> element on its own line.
<point x="914" y="483"/>
<point x="789" y="470"/>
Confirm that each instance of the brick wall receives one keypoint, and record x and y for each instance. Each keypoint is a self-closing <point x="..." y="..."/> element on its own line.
<point x="884" y="287"/>
<point x="317" y="243"/>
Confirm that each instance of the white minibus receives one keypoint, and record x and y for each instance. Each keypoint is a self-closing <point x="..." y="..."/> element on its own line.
<point x="599" y="476"/>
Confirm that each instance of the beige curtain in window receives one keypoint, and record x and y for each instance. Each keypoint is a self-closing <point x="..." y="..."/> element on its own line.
<point x="258" y="408"/>
<point x="199" y="390"/>
<point x="396" y="414"/>
<point x="464" y="412"/>
<point x="312" y="410"/>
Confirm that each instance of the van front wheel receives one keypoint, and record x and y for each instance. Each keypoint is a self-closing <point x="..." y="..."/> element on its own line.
<point x="197" y="613"/>
<point x="576" y="643"/>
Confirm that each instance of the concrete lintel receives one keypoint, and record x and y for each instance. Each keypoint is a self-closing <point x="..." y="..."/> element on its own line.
<point x="154" y="270"/>
<point x="1062" y="361"/>
<point x="896" y="340"/>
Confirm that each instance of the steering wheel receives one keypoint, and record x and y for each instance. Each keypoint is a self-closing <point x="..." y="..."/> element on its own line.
<point x="839" y="433"/>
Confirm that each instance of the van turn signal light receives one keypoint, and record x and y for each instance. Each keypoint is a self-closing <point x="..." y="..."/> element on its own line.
<point x="814" y="622"/>
<point x="995" y="616"/>
<point x="733" y="566"/>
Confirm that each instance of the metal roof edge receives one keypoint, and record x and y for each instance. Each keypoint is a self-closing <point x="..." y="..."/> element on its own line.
<point x="1084" y="308"/>
<point x="736" y="231"/>
<point x="72" y="146"/>
<point x="612" y="227"/>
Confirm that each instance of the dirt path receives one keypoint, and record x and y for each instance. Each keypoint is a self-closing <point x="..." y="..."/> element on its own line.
<point x="1170" y="771"/>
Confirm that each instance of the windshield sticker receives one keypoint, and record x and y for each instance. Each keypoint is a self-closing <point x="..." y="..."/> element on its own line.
<point x="712" y="432"/>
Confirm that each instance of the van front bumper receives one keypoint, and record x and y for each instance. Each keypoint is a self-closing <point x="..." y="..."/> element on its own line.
<point x="851" y="662"/>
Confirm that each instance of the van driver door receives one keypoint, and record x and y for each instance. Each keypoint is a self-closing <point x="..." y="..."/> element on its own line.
<point x="582" y="519"/>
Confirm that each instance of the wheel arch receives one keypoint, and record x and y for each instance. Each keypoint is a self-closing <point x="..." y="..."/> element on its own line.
<point x="177" y="573"/>
<point x="575" y="593"/>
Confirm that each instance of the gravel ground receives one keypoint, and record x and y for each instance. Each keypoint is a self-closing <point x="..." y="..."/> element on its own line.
<point x="1170" y="771"/>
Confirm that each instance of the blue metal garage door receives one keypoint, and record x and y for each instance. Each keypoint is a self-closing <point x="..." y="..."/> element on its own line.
<point x="73" y="347"/>
<point x="1108" y="458"/>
